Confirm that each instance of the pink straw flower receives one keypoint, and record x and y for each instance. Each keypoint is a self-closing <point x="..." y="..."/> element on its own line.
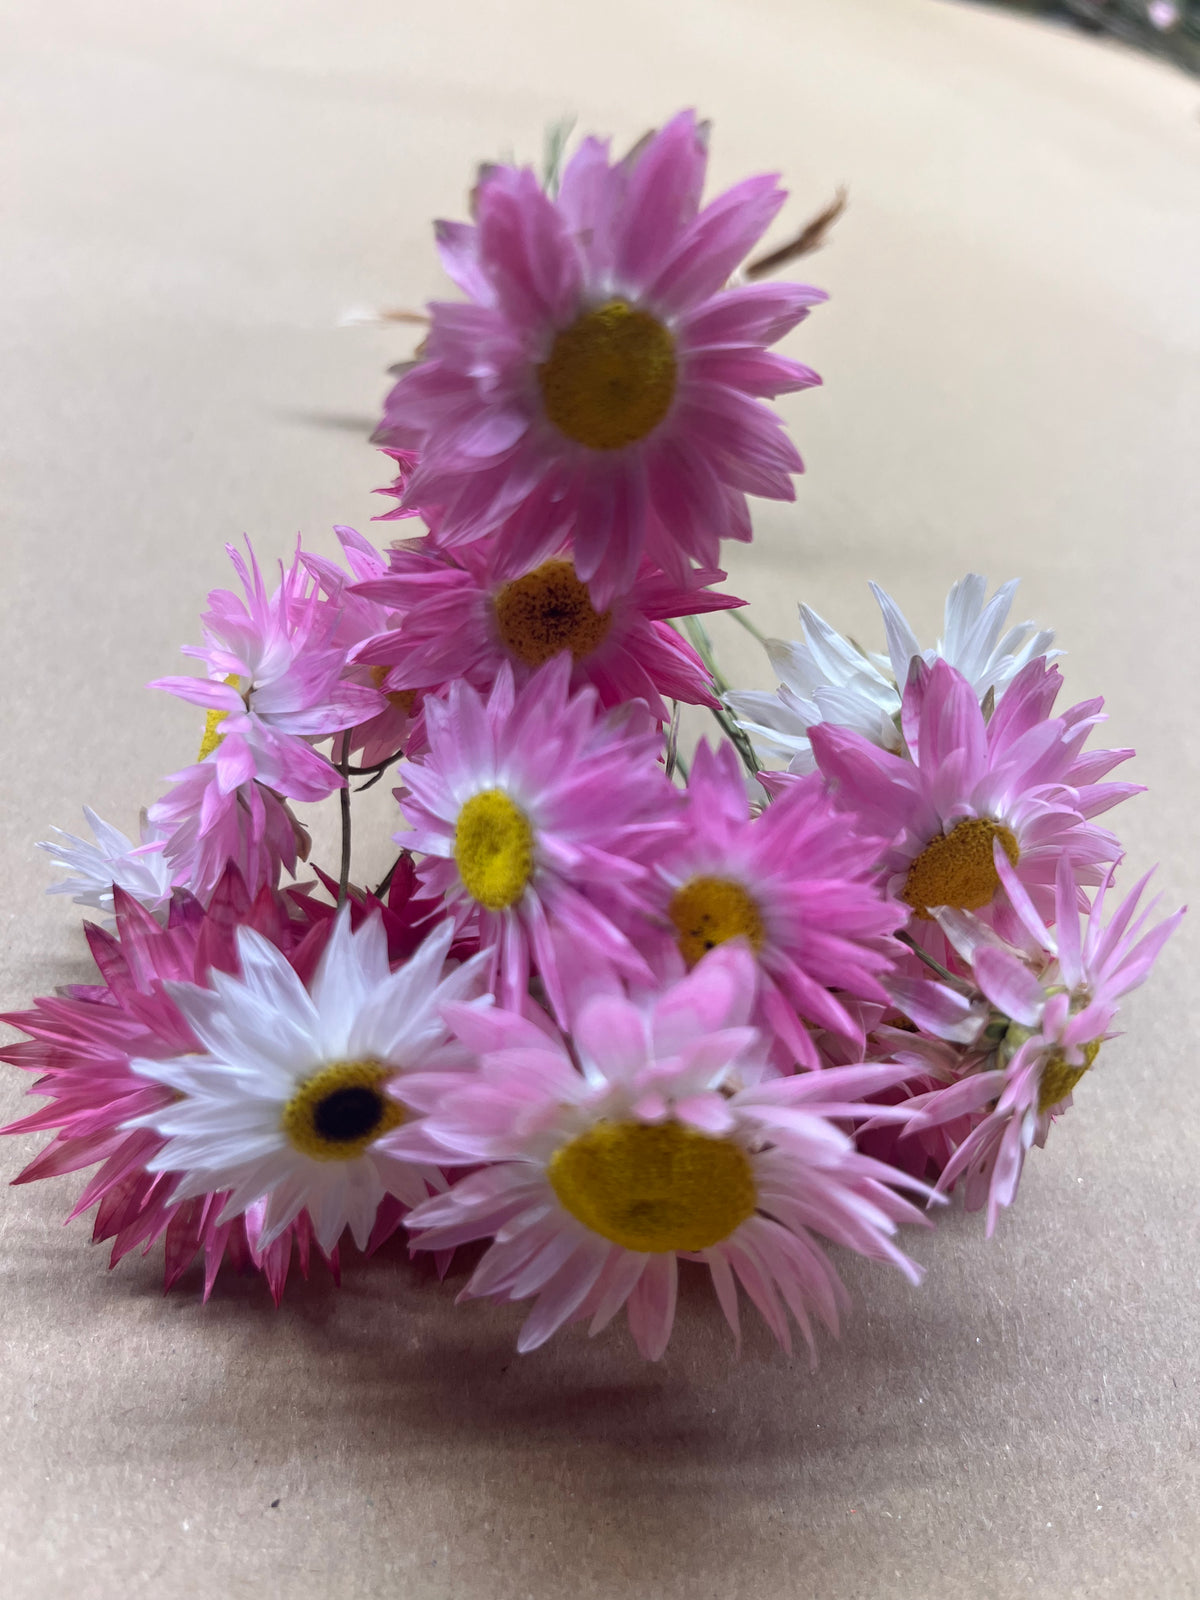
<point x="797" y="884"/>
<point x="664" y="1142"/>
<point x="456" y="619"/>
<point x="1054" y="1013"/>
<point x="1018" y="782"/>
<point x="275" y="684"/>
<point x="287" y="1089"/>
<point x="602" y="382"/>
<point x="536" y="816"/>
<point x="207" y="828"/>
<point x="396" y="726"/>
<point x="82" y="1044"/>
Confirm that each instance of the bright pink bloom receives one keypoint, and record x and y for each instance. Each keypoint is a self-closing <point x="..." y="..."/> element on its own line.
<point x="456" y="619"/>
<point x="82" y="1043"/>
<point x="665" y="1141"/>
<point x="602" y="383"/>
<point x="536" y="816"/>
<point x="971" y="787"/>
<point x="797" y="884"/>
<point x="1061" y="1009"/>
<point x="281" y="651"/>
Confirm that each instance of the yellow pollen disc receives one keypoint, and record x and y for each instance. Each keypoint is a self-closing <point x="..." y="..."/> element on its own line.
<point x="610" y="377"/>
<point x="399" y="699"/>
<point x="493" y="846"/>
<point x="707" y="911"/>
<point x="654" y="1188"/>
<point x="339" y="1111"/>
<point x="956" y="869"/>
<point x="212" y="721"/>
<point x="1059" y="1079"/>
<point x="547" y="611"/>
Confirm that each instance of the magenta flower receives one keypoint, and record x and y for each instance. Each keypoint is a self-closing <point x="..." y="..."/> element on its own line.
<point x="275" y="684"/>
<point x="797" y="884"/>
<point x="455" y="619"/>
<point x="1059" y="1010"/>
<point x="1017" y="782"/>
<point x="536" y="817"/>
<point x="602" y="383"/>
<point x="663" y="1143"/>
<point x="82" y="1043"/>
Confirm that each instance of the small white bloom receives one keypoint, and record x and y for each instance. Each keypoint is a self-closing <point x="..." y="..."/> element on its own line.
<point x="141" y="870"/>
<point x="826" y="678"/>
<point x="289" y="1100"/>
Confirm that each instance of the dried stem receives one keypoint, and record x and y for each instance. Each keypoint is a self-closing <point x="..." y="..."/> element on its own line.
<point x="344" y="800"/>
<point x="811" y="237"/>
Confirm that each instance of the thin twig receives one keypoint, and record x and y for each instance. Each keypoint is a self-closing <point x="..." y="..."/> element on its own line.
<point x="385" y="883"/>
<point x="811" y="237"/>
<point x="372" y="771"/>
<point x="344" y="799"/>
<point x="942" y="972"/>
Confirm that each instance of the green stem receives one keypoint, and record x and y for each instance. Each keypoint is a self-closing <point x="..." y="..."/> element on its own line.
<point x="739" y="616"/>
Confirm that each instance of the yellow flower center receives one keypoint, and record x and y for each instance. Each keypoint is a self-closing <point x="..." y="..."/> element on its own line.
<point x="212" y="721"/>
<point x="707" y="911"/>
<point x="1059" y="1079"/>
<point x="957" y="868"/>
<point x="547" y="611"/>
<point x="399" y="699"/>
<point x="339" y="1111"/>
<point x="610" y="377"/>
<point x="493" y="846"/>
<point x="654" y="1188"/>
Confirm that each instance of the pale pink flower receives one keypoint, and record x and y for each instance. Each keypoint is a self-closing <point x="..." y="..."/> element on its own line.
<point x="536" y="815"/>
<point x="665" y="1141"/>
<point x="1020" y="779"/>
<point x="602" y="382"/>
<point x="797" y="884"/>
<point x="206" y="827"/>
<point x="1052" y="1013"/>
<point x="275" y="683"/>
<point x="454" y="618"/>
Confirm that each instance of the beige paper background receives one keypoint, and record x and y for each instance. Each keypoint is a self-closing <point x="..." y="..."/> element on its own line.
<point x="191" y="195"/>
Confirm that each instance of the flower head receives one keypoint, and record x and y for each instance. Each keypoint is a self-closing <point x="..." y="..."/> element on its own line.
<point x="455" y="619"/>
<point x="796" y="884"/>
<point x="275" y="683"/>
<point x="827" y="678"/>
<point x="536" y="815"/>
<point x="1053" y="1007"/>
<point x="395" y="725"/>
<point x="113" y="862"/>
<point x="663" y="1142"/>
<point x="82" y="1044"/>
<point x="294" y="1086"/>
<point x="206" y="828"/>
<point x="972" y="787"/>
<point x="602" y="383"/>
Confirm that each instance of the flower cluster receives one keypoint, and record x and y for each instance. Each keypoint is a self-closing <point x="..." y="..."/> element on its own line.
<point x="615" y="1006"/>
